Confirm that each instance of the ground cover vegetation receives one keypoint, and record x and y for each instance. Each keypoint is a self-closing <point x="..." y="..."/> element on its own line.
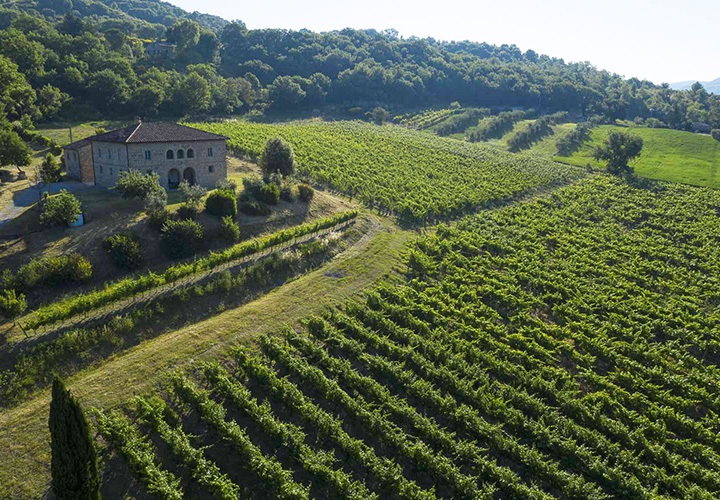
<point x="400" y="171"/>
<point x="669" y="155"/>
<point x="558" y="348"/>
<point x="26" y="369"/>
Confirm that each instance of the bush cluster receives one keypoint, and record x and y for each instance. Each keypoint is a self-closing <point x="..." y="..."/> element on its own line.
<point x="253" y="208"/>
<point x="305" y="192"/>
<point x="221" y="203"/>
<point x="181" y="238"/>
<point x="229" y="229"/>
<point x="48" y="271"/>
<point x="269" y="193"/>
<point x="124" y="249"/>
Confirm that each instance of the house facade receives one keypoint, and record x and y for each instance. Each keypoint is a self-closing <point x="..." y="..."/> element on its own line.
<point x="174" y="152"/>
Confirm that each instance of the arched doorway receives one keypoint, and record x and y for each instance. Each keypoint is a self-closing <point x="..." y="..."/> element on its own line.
<point x="173" y="178"/>
<point x="189" y="175"/>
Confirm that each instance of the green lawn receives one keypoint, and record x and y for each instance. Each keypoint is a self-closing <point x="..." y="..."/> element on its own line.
<point x="669" y="155"/>
<point x="60" y="131"/>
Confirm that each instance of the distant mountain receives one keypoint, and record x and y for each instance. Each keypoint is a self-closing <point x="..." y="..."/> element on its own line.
<point x="713" y="86"/>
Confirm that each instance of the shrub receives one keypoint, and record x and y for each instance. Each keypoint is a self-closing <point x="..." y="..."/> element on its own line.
<point x="12" y="305"/>
<point x="53" y="271"/>
<point x="158" y="218"/>
<point x="192" y="194"/>
<point x="654" y="123"/>
<point x="226" y="185"/>
<point x="306" y="192"/>
<point x="229" y="230"/>
<point x="715" y="133"/>
<point x="287" y="192"/>
<point x="269" y="194"/>
<point x="254" y="208"/>
<point x="124" y="249"/>
<point x="62" y="208"/>
<point x="134" y="184"/>
<point x="188" y="212"/>
<point x="222" y="203"/>
<point x="181" y="238"/>
<point x="251" y="186"/>
<point x="278" y="156"/>
<point x="50" y="169"/>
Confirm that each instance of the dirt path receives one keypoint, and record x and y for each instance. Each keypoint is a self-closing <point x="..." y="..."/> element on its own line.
<point x="24" y="450"/>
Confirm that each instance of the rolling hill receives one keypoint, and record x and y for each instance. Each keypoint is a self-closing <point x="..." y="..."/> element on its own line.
<point x="712" y="86"/>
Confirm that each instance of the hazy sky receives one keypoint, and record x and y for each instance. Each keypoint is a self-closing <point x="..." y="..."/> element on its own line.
<point x="660" y="40"/>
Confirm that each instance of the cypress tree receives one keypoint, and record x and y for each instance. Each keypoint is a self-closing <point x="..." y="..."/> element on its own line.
<point x="74" y="462"/>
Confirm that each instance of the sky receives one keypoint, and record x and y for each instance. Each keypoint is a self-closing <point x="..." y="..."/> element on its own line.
<point x="657" y="40"/>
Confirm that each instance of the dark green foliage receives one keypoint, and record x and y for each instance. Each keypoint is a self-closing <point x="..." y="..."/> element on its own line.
<point x="535" y="131"/>
<point x="269" y="193"/>
<point x="617" y="150"/>
<point x="305" y="192"/>
<point x="181" y="238"/>
<point x="52" y="271"/>
<point x="715" y="133"/>
<point x="251" y="186"/>
<point x="63" y="208"/>
<point x="50" y="169"/>
<point x="158" y="218"/>
<point x="287" y="193"/>
<point x="378" y="115"/>
<point x="254" y="208"/>
<point x="460" y="122"/>
<point x="134" y="184"/>
<point x="229" y="230"/>
<point x="187" y="212"/>
<point x="74" y="461"/>
<point x="221" y="203"/>
<point x="571" y="142"/>
<point x="278" y="156"/>
<point x="13" y="151"/>
<point x="124" y="249"/>
<point x="496" y="126"/>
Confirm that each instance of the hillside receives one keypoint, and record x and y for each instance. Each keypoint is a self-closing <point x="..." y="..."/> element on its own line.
<point x="669" y="155"/>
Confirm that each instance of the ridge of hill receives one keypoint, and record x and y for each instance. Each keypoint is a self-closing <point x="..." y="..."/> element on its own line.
<point x="711" y="86"/>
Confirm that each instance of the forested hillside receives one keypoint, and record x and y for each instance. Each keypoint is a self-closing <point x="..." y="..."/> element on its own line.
<point x="90" y="53"/>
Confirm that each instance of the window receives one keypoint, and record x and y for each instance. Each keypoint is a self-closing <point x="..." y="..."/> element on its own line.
<point x="110" y="170"/>
<point x="210" y="152"/>
<point x="211" y="169"/>
<point x="109" y="153"/>
<point x="148" y="155"/>
<point x="101" y="169"/>
<point x="169" y="155"/>
<point x="180" y="154"/>
<point x="100" y="152"/>
<point x="191" y="153"/>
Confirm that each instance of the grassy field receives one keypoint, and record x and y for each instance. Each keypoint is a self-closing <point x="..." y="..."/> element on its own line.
<point x="669" y="155"/>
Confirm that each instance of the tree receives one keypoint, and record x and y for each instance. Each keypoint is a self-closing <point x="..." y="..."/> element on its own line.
<point x="50" y="169"/>
<point x="378" y="115"/>
<point x="181" y="239"/>
<point x="115" y="38"/>
<point x="74" y="460"/>
<point x="184" y="34"/>
<point x="135" y="184"/>
<point x="285" y="91"/>
<point x="59" y="209"/>
<point x="617" y="150"/>
<point x="278" y="156"/>
<point x="193" y="94"/>
<point x="715" y="133"/>
<point x="13" y="150"/>
<point x="108" y="89"/>
<point x="192" y="195"/>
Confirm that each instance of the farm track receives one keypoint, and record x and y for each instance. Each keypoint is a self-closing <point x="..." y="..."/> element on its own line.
<point x="143" y="299"/>
<point x="24" y="449"/>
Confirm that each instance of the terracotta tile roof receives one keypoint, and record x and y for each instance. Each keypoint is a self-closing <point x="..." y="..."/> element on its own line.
<point x="156" y="132"/>
<point x="77" y="145"/>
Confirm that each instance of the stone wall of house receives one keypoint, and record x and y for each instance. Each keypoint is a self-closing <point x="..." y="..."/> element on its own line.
<point x="207" y="169"/>
<point x="110" y="159"/>
<point x="79" y="164"/>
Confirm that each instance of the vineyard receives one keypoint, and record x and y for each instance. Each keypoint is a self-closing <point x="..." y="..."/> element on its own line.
<point x="560" y="348"/>
<point x="425" y="119"/>
<point x="410" y="174"/>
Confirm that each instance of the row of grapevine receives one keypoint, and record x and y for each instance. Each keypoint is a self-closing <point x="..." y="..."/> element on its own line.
<point x="82" y="303"/>
<point x="411" y="174"/>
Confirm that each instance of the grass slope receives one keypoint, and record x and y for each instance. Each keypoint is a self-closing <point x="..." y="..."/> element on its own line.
<point x="24" y="450"/>
<point x="669" y="155"/>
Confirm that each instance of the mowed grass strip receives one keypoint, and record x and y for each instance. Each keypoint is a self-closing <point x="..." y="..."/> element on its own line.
<point x="670" y="155"/>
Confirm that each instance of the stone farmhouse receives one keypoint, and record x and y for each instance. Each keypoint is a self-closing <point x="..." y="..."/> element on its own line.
<point x="175" y="152"/>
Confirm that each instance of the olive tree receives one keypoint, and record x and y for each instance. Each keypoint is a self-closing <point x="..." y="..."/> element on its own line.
<point x="617" y="150"/>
